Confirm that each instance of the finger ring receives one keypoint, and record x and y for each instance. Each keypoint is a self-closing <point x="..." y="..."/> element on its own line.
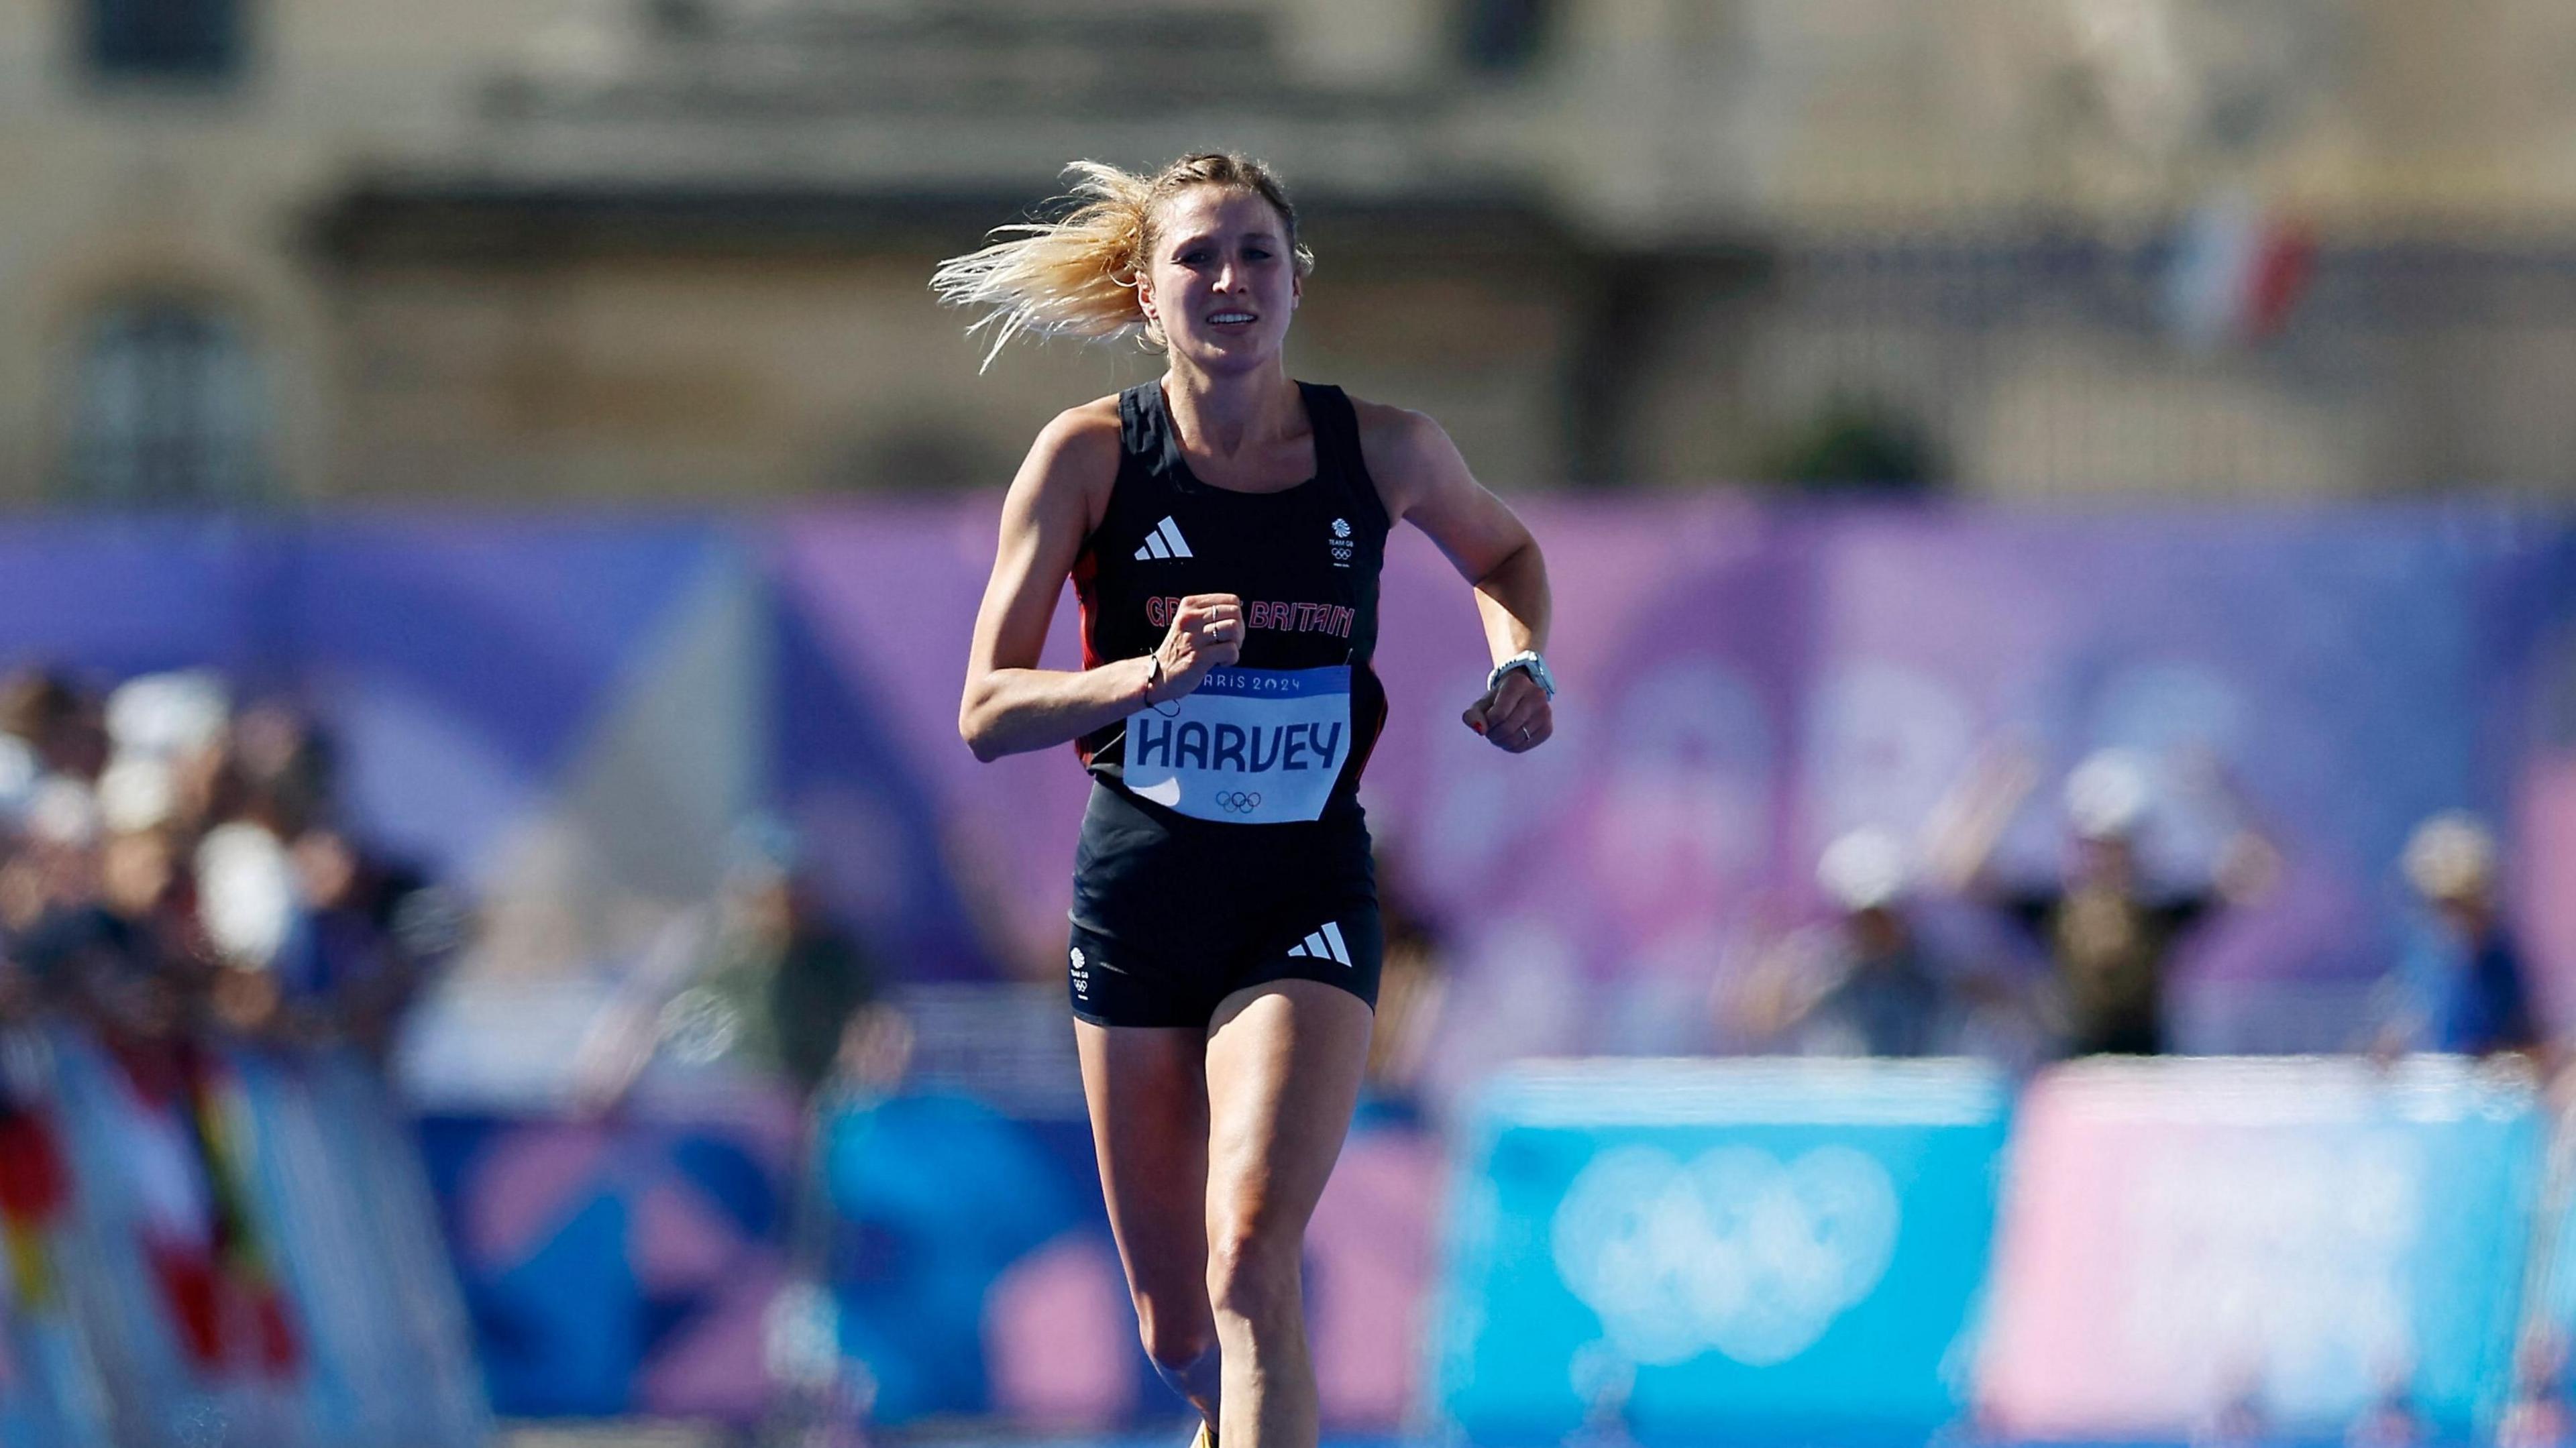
<point x="1525" y="734"/>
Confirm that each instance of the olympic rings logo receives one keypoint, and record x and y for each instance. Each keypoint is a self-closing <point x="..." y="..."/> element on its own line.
<point x="1238" y="802"/>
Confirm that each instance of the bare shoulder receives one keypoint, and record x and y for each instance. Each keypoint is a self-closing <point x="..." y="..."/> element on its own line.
<point x="1400" y="435"/>
<point x="1074" y="462"/>
<point x="1405" y="450"/>
<point x="1082" y="435"/>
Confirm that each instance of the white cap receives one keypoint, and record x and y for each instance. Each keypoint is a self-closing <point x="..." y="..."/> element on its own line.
<point x="2451" y="857"/>
<point x="245" y="892"/>
<point x="2108" y="794"/>
<point x="137" y="792"/>
<point x="1865" y="869"/>
<point x="168" y="714"/>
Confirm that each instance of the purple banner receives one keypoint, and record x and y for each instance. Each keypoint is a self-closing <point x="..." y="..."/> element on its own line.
<point x="575" y="714"/>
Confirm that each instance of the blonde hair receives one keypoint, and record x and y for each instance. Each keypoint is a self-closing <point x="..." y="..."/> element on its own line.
<point x="1076" y="276"/>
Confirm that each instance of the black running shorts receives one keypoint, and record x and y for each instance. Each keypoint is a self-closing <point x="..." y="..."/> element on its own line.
<point x="1171" y="914"/>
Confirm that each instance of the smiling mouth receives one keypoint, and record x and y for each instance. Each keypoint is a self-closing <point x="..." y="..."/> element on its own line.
<point x="1231" y="319"/>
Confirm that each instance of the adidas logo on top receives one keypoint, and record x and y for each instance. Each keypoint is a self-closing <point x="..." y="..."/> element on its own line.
<point x="1164" y="542"/>
<point x="1324" y="944"/>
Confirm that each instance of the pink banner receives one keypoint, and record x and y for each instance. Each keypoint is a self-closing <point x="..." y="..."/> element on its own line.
<point x="2183" y="1240"/>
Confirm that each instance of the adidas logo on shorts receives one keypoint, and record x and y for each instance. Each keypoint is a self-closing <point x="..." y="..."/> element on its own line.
<point x="1324" y="944"/>
<point x="1164" y="542"/>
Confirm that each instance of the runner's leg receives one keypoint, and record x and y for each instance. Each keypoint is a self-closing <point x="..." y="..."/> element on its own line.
<point x="1283" y="1075"/>
<point x="1147" y="1089"/>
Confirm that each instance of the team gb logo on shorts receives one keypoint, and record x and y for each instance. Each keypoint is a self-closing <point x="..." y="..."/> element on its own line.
<point x="1341" y="542"/>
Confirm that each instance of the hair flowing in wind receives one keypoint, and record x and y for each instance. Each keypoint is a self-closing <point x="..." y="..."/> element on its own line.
<point x="1076" y="276"/>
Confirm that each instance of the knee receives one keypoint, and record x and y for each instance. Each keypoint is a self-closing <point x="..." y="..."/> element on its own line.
<point x="1174" y="1339"/>
<point x="1253" y="1272"/>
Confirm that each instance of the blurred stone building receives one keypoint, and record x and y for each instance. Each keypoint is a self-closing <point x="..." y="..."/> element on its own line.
<point x="676" y="249"/>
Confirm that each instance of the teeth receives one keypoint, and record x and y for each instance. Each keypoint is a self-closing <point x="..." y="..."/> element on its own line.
<point x="1231" y="317"/>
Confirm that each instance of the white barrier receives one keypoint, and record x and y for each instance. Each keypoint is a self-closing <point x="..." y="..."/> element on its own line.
<point x="245" y="1252"/>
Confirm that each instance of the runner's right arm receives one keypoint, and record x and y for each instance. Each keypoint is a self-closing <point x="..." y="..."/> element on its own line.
<point x="1011" y="705"/>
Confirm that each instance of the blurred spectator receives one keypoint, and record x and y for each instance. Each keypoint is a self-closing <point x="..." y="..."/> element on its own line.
<point x="1858" y="986"/>
<point x="1412" y="979"/>
<point x="116" y="955"/>
<point x="2390" y="1420"/>
<point x="790" y="983"/>
<point x="62" y="724"/>
<point x="285" y="769"/>
<point x="2111" y="935"/>
<point x="774" y="990"/>
<point x="169" y="867"/>
<point x="1865" y="983"/>
<point x="2538" y="1415"/>
<point x="170" y="879"/>
<point x="2459" y="984"/>
<point x="20" y="994"/>
<point x="373" y="930"/>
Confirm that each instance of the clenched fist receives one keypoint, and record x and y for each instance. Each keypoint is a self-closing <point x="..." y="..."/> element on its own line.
<point x="1515" y="715"/>
<point x="1206" y="633"/>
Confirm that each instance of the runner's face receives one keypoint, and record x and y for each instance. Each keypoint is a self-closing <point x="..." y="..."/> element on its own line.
<point x="1222" y="281"/>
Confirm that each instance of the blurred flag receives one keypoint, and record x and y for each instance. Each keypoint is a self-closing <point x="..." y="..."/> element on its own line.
<point x="34" y="1189"/>
<point x="2238" y="270"/>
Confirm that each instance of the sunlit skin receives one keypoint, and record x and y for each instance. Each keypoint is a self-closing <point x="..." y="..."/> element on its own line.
<point x="1219" y="255"/>
<point x="1878" y="933"/>
<point x="1219" y="251"/>
<point x="2109" y="863"/>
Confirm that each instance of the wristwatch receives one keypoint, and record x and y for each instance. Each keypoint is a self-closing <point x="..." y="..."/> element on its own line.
<point x="1528" y="662"/>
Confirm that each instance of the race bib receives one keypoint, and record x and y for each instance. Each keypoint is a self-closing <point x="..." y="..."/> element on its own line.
<point x="1248" y="747"/>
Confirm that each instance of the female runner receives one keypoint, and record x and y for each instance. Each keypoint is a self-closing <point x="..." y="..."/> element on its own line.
<point x="1223" y="528"/>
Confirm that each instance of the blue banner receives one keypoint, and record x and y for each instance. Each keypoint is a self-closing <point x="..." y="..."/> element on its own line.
<point x="1695" y="1249"/>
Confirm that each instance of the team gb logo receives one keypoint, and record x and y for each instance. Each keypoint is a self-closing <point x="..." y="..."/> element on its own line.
<point x="1341" y="542"/>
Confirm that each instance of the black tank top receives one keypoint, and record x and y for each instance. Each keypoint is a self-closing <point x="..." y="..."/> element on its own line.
<point x="1304" y="560"/>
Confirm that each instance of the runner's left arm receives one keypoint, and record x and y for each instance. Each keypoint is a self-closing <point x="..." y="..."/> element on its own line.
<point x="1423" y="480"/>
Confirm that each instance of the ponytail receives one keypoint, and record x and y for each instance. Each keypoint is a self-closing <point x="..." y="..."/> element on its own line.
<point x="1076" y="276"/>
